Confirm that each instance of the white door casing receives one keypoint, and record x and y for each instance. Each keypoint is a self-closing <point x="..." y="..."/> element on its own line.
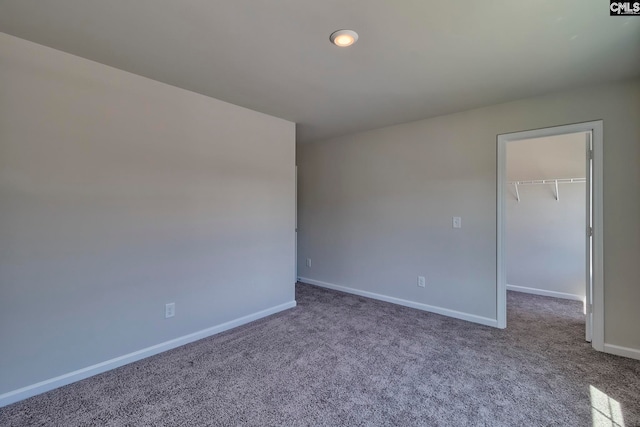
<point x="588" y="303"/>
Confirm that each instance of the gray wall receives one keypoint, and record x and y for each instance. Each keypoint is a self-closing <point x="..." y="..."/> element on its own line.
<point x="546" y="237"/>
<point x="119" y="194"/>
<point x="375" y="208"/>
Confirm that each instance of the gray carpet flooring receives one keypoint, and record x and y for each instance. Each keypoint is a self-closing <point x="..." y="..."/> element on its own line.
<point x="339" y="359"/>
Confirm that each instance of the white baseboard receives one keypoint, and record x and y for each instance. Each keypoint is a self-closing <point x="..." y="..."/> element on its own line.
<point x="545" y="293"/>
<point x="80" y="374"/>
<point x="632" y="353"/>
<point x="412" y="304"/>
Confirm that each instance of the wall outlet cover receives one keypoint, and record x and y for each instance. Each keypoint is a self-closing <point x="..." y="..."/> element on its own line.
<point x="170" y="310"/>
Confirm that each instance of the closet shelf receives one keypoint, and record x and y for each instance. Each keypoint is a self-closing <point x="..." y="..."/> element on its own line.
<point x="553" y="181"/>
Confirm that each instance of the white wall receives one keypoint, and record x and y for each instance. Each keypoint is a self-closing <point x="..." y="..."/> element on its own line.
<point x="546" y="241"/>
<point x="119" y="194"/>
<point x="545" y="237"/>
<point x="375" y="208"/>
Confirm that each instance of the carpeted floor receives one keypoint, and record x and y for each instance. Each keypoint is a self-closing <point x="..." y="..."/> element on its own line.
<point x="339" y="359"/>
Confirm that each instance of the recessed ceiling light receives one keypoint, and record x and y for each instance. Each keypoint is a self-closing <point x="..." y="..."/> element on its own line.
<point x="344" y="38"/>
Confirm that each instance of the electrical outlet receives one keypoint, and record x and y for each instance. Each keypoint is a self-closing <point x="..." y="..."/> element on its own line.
<point x="457" y="222"/>
<point x="308" y="262"/>
<point x="422" y="282"/>
<point x="169" y="310"/>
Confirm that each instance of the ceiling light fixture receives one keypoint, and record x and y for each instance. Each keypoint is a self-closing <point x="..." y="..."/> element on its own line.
<point x="344" y="38"/>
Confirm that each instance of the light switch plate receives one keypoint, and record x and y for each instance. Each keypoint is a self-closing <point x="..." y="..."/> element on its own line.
<point x="457" y="222"/>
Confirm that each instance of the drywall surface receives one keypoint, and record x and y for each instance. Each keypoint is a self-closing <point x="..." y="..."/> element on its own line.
<point x="119" y="194"/>
<point x="375" y="208"/>
<point x="546" y="237"/>
<point x="558" y="156"/>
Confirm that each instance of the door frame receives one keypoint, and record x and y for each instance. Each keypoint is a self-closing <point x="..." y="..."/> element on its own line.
<point x="596" y="128"/>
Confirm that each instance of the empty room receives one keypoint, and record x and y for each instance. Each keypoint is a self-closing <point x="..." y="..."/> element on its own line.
<point x="305" y="213"/>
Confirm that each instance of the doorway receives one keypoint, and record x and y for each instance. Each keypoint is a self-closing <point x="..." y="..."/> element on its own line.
<point x="591" y="132"/>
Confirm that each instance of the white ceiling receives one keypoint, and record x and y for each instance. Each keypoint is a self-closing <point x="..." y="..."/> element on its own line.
<point x="415" y="58"/>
